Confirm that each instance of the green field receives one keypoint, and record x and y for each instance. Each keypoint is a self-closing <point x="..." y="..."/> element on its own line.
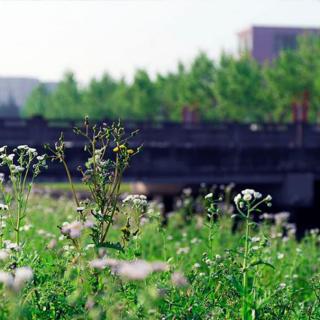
<point x="80" y="187"/>
<point x="202" y="279"/>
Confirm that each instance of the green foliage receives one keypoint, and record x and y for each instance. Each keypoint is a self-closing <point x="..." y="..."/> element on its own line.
<point x="205" y="257"/>
<point x="233" y="89"/>
<point x="239" y="90"/>
<point x="108" y="156"/>
<point x="37" y="103"/>
<point x="292" y="74"/>
<point x="27" y="162"/>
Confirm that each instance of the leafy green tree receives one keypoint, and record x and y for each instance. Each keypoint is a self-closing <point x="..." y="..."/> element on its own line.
<point x="38" y="102"/>
<point x="239" y="90"/>
<point x="192" y="87"/>
<point x="293" y="74"/>
<point x="144" y="103"/>
<point x="201" y="80"/>
<point x="235" y="89"/>
<point x="66" y="100"/>
<point x="97" y="98"/>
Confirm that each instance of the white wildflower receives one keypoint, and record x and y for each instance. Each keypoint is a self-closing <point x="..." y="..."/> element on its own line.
<point x="137" y="200"/>
<point x="10" y="157"/>
<point x="3" y="207"/>
<point x="159" y="266"/>
<point x="248" y="191"/>
<point x="268" y="198"/>
<point x="195" y="240"/>
<point x="179" y="280"/>
<point x="237" y="198"/>
<point x="26" y="227"/>
<point x="22" y="275"/>
<point x="52" y="244"/>
<point x="11" y="246"/>
<point x="89" y="246"/>
<point x="3" y="149"/>
<point x="281" y="218"/>
<point x="184" y="250"/>
<point x="255" y="239"/>
<point x="209" y="196"/>
<point x="282" y="285"/>
<point x="4" y="255"/>
<point x="98" y="264"/>
<point x="135" y="270"/>
<point x="6" y="278"/>
<point x="187" y="191"/>
<point x="89" y="303"/>
<point x="257" y="195"/>
<point x="33" y="150"/>
<point x="73" y="229"/>
<point x="23" y="147"/>
<point x="247" y="197"/>
<point x="40" y="158"/>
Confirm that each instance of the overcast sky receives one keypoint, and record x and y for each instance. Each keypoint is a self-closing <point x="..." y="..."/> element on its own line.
<point x="45" y="38"/>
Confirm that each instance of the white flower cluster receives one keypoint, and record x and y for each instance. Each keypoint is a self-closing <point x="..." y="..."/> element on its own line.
<point x="184" y="250"/>
<point x="17" y="280"/>
<point x="3" y="207"/>
<point x="11" y="245"/>
<point x="28" y="149"/>
<point x="249" y="195"/>
<point x="131" y="270"/>
<point x="209" y="196"/>
<point x="72" y="229"/>
<point x="8" y="157"/>
<point x="23" y="148"/>
<point x="4" y="254"/>
<point x="136" y="200"/>
<point x="25" y="154"/>
<point x="281" y="217"/>
<point x="179" y="280"/>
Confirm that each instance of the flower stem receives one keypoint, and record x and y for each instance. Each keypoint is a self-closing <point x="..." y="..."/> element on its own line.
<point x="244" y="268"/>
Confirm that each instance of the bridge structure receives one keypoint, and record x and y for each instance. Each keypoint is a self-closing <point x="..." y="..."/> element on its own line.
<point x="282" y="159"/>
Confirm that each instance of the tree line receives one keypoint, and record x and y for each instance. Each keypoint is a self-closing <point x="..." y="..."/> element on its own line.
<point x="231" y="89"/>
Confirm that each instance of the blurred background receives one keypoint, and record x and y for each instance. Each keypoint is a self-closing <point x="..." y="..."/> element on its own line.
<point x="222" y="91"/>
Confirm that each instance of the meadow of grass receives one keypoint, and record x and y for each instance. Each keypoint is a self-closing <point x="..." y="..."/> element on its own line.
<point x="63" y="187"/>
<point x="201" y="278"/>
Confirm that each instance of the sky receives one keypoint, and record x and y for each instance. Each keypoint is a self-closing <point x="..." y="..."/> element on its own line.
<point x="45" y="38"/>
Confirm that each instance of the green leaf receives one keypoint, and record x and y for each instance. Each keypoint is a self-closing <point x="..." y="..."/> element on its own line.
<point x="113" y="245"/>
<point x="259" y="262"/>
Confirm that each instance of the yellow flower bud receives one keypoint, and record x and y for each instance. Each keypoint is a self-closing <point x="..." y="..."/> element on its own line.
<point x="130" y="151"/>
<point x="122" y="146"/>
<point x="116" y="149"/>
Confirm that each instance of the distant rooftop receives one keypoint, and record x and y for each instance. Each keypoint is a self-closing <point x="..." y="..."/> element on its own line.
<point x="265" y="42"/>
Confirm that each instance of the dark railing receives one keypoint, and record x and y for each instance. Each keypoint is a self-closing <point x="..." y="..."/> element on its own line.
<point x="283" y="156"/>
<point x="38" y="131"/>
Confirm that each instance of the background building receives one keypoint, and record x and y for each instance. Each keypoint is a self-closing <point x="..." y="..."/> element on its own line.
<point x="265" y="43"/>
